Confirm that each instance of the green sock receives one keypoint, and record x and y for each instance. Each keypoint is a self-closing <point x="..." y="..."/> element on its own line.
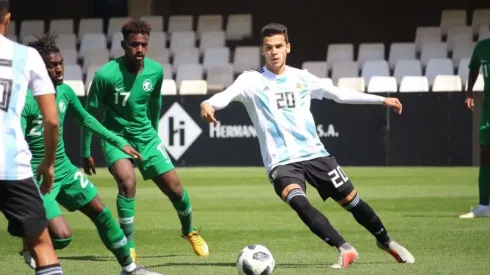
<point x="484" y="184"/>
<point x="113" y="237"/>
<point x="125" y="210"/>
<point x="184" y="210"/>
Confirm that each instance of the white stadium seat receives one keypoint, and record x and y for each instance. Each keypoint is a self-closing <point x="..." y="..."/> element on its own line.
<point x="180" y="23"/>
<point x="438" y="66"/>
<point x="433" y="50"/>
<point x="410" y="67"/>
<point x="414" y="84"/>
<point x="340" y="52"/>
<point x="156" y="22"/>
<point x="90" y="42"/>
<point x="219" y="77"/>
<point x="375" y="68"/>
<point x="316" y="68"/>
<point x="239" y="26"/>
<point x="400" y="51"/>
<point x="427" y="35"/>
<point x="462" y="51"/>
<point x="90" y="25"/>
<point x="169" y="87"/>
<point x="187" y="56"/>
<point x="382" y="84"/>
<point x="216" y="57"/>
<point x="246" y="58"/>
<point x="447" y="83"/>
<point x="214" y="39"/>
<point x="95" y="58"/>
<point x="70" y="56"/>
<point x="193" y="87"/>
<point x="344" y="69"/>
<point x="353" y="83"/>
<point x="62" y="26"/>
<point x="77" y="86"/>
<point x="370" y="52"/>
<point x="452" y="18"/>
<point x="209" y="23"/>
<point x="189" y="72"/>
<point x="463" y="70"/>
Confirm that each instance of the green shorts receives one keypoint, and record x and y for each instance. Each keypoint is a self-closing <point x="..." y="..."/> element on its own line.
<point x="155" y="158"/>
<point x="71" y="189"/>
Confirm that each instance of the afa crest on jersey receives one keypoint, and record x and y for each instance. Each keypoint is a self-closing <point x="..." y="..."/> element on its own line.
<point x="62" y="106"/>
<point x="147" y="85"/>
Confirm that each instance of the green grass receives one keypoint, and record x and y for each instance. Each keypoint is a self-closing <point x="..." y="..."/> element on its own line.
<point x="237" y="206"/>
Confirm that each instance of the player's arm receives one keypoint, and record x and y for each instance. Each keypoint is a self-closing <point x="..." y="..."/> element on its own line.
<point x="474" y="71"/>
<point x="235" y="92"/>
<point x="94" y="98"/>
<point x="155" y="104"/>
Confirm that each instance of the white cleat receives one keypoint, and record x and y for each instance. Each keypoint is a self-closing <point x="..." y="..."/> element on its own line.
<point x="477" y="212"/>
<point x="346" y="258"/>
<point x="400" y="253"/>
<point x="28" y="259"/>
<point x="140" y="271"/>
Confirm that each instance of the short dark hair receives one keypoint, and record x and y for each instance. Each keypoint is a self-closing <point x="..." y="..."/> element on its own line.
<point x="135" y="26"/>
<point x="4" y="9"/>
<point x="45" y="44"/>
<point x="274" y="29"/>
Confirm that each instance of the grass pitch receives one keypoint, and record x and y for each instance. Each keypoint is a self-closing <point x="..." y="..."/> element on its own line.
<point x="234" y="207"/>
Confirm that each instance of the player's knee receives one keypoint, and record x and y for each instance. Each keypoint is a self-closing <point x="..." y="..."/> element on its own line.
<point x="127" y="187"/>
<point x="285" y="192"/>
<point x="358" y="207"/>
<point x="485" y="154"/>
<point x="60" y="243"/>
<point x="297" y="199"/>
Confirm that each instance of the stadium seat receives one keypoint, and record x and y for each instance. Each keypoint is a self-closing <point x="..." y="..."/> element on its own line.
<point x="370" y="52"/>
<point x="77" y="86"/>
<point x="375" y="68"/>
<point x="447" y="83"/>
<point x="189" y="72"/>
<point x="62" y="26"/>
<point x="480" y="17"/>
<point x="187" y="56"/>
<point x="438" y="66"/>
<point x="193" y="87"/>
<point x="13" y="37"/>
<point x="316" y="68"/>
<point x="70" y="56"/>
<point x="156" y="22"/>
<point x="220" y="77"/>
<point x="158" y="40"/>
<point x="400" y="51"/>
<point x="67" y="41"/>
<point x="31" y="27"/>
<point x="339" y="52"/>
<point x="182" y="40"/>
<point x="463" y="70"/>
<point x="382" y="84"/>
<point x="11" y="28"/>
<point x="169" y="87"/>
<point x="433" y="50"/>
<point x="95" y="58"/>
<point x="462" y="51"/>
<point x="216" y="57"/>
<point x="90" y="42"/>
<point x="427" y="35"/>
<point x="353" y="83"/>
<point x="90" y="25"/>
<point x="209" y="23"/>
<point x="459" y="35"/>
<point x="116" y="49"/>
<point x="73" y="72"/>
<point x="452" y="18"/>
<point x="483" y="33"/>
<point x="246" y="58"/>
<point x="163" y="57"/>
<point x="479" y="84"/>
<point x="180" y="23"/>
<point x="168" y="71"/>
<point x="28" y="38"/>
<point x="414" y="84"/>
<point x="114" y="26"/>
<point x="90" y="75"/>
<point x="344" y="69"/>
<point x="160" y="52"/>
<point x="214" y="39"/>
<point x="239" y="26"/>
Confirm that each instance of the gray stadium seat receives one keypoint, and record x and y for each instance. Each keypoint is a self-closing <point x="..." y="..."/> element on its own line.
<point x="156" y="22"/>
<point x="339" y="52"/>
<point x="180" y="23"/>
<point x="216" y="57"/>
<point x="375" y="68"/>
<point x="438" y="66"/>
<point x="193" y="87"/>
<point x="31" y="27"/>
<point x="70" y="56"/>
<point x="11" y="28"/>
<point x="67" y="41"/>
<point x="158" y="40"/>
<point x="409" y="67"/>
<point x="353" y="83"/>
<point x="344" y="69"/>
<point x="187" y="56"/>
<point x="401" y="51"/>
<point x="189" y="72"/>
<point x="214" y="39"/>
<point x="452" y="18"/>
<point x="90" y="42"/>
<point x="382" y="84"/>
<point x="219" y="77"/>
<point x="414" y="84"/>
<point x="483" y="32"/>
<point x="89" y="25"/>
<point x="463" y="70"/>
<point x="13" y="37"/>
<point x="28" y="38"/>
<point x="95" y="58"/>
<point x="316" y="68"/>
<point x="168" y="71"/>
<point x="162" y="58"/>
<point x="114" y="26"/>
<point x="116" y="49"/>
<point x="239" y="26"/>
<point x="433" y="50"/>
<point x="90" y="75"/>
<point x="246" y="58"/>
<point x="459" y="35"/>
<point x="73" y="72"/>
<point x="370" y="52"/>
<point x="62" y="26"/>
<point x="182" y="40"/>
<point x="480" y="17"/>
<point x="447" y="83"/>
<point x="209" y="23"/>
<point x="427" y="35"/>
<point x="462" y="51"/>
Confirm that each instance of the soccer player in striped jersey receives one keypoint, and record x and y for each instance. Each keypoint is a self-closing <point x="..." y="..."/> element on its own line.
<point x="277" y="98"/>
<point x="20" y="200"/>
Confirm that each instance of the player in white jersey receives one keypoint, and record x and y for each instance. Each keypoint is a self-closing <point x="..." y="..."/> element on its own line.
<point x="277" y="98"/>
<point x="21" y="68"/>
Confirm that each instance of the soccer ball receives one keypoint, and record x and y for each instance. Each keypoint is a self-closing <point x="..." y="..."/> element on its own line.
<point x="255" y="260"/>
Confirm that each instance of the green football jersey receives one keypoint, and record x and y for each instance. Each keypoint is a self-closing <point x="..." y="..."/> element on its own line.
<point x="481" y="57"/>
<point x="68" y="104"/>
<point x="131" y="102"/>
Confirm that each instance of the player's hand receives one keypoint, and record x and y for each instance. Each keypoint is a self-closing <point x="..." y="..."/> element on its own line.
<point x="470" y="103"/>
<point x="394" y="103"/>
<point x="207" y="113"/>
<point x="132" y="152"/>
<point x="45" y="172"/>
<point x="89" y="166"/>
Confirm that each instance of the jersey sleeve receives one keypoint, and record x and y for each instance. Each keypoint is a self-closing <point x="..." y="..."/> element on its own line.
<point x="155" y="103"/>
<point x="39" y="81"/>
<point x="475" y="59"/>
<point x="87" y="121"/>
<point x="235" y="92"/>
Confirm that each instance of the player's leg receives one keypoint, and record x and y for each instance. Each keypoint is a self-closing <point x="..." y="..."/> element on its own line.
<point x="331" y="181"/>
<point x="157" y="165"/>
<point x="22" y="205"/>
<point x="289" y="184"/>
<point x="121" y="167"/>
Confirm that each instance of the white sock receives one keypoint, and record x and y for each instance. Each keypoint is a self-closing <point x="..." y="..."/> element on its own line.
<point x="483" y="207"/>
<point x="129" y="268"/>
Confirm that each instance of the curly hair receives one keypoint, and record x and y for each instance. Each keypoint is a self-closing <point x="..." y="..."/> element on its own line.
<point x="135" y="26"/>
<point x="45" y="44"/>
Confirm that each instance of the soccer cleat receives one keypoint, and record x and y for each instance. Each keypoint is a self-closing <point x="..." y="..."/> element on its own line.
<point x="477" y="212"/>
<point x="400" y="253"/>
<point x="140" y="271"/>
<point x="346" y="258"/>
<point x="28" y="259"/>
<point x="132" y="254"/>
<point x="198" y="244"/>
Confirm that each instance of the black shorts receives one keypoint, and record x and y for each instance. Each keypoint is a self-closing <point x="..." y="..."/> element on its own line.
<point x="22" y="205"/>
<point x="322" y="173"/>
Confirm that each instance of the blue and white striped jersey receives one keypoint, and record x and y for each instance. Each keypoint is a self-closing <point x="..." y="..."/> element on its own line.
<point x="21" y="67"/>
<point x="279" y="107"/>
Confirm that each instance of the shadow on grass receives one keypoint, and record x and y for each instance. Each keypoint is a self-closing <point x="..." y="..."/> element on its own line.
<point x="277" y="265"/>
<point x="109" y="258"/>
